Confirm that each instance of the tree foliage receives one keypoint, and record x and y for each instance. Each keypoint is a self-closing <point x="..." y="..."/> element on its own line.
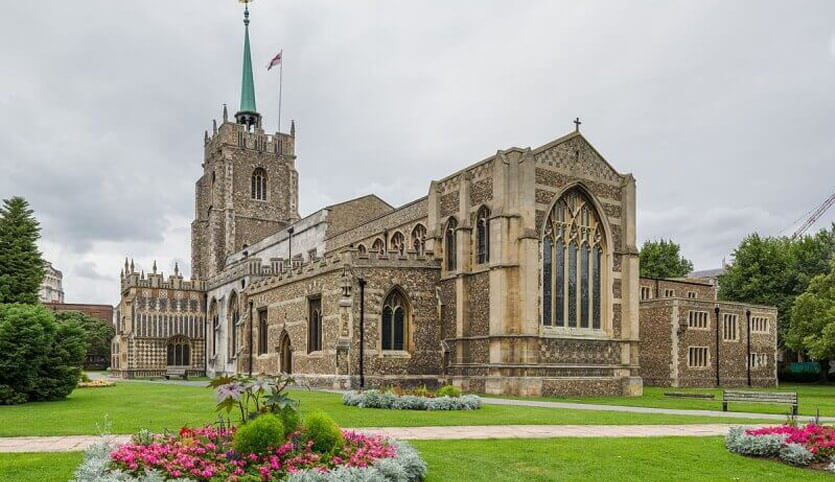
<point x="21" y="265"/>
<point x="663" y="259"/>
<point x="813" y="319"/>
<point x="39" y="358"/>
<point x="776" y="270"/>
<point x="99" y="333"/>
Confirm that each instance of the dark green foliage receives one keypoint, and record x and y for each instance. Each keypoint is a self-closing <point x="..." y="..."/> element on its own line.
<point x="324" y="432"/>
<point x="21" y="265"/>
<point x="448" y="391"/>
<point x="259" y="436"/>
<point x="99" y="335"/>
<point x="813" y="319"/>
<point x="290" y="418"/>
<point x="662" y="259"/>
<point x="774" y="271"/>
<point x="39" y="358"/>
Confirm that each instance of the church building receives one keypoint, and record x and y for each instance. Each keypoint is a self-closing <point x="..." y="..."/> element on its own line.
<point x="517" y="274"/>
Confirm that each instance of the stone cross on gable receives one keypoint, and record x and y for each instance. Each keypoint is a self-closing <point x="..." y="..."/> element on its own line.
<point x="577" y="124"/>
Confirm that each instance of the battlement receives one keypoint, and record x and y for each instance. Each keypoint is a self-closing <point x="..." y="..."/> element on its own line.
<point x="130" y="278"/>
<point x="230" y="133"/>
<point x="279" y="272"/>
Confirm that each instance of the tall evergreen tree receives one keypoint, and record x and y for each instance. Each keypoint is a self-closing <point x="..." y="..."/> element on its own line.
<point x="21" y="265"/>
<point x="663" y="259"/>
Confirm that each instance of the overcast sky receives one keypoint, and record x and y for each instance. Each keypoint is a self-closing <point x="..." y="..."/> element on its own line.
<point x="724" y="111"/>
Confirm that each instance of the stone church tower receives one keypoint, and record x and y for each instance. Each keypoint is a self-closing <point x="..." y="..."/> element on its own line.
<point x="249" y="186"/>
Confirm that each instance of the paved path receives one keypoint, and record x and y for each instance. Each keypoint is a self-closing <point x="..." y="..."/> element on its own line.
<point x="80" y="442"/>
<point x="650" y="410"/>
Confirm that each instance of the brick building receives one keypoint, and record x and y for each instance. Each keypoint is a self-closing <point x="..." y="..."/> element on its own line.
<point x="682" y="324"/>
<point x="101" y="312"/>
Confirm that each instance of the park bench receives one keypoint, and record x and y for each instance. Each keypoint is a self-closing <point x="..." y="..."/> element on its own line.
<point x="176" y="372"/>
<point x="789" y="398"/>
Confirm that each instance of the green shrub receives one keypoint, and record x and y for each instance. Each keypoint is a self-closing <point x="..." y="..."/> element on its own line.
<point x="421" y="391"/>
<point x="324" y="432"/>
<point x="39" y="358"/>
<point x="448" y="391"/>
<point x="84" y="378"/>
<point x="259" y="435"/>
<point x="290" y="419"/>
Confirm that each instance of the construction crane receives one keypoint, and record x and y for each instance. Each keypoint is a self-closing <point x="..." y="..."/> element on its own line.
<point x="815" y="216"/>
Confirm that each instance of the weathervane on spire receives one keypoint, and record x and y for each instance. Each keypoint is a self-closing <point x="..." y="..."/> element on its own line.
<point x="246" y="10"/>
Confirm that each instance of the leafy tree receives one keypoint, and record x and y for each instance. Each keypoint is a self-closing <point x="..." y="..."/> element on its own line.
<point x="99" y="334"/>
<point x="813" y="319"/>
<point x="774" y="271"/>
<point x="21" y="266"/>
<point x="663" y="259"/>
<point x="39" y="358"/>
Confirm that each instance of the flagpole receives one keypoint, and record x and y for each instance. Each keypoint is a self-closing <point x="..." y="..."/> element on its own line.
<point x="280" y="82"/>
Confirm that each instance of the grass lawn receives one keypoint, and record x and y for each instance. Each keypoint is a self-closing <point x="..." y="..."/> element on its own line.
<point x="130" y="406"/>
<point x="810" y="398"/>
<point x="40" y="467"/>
<point x="620" y="459"/>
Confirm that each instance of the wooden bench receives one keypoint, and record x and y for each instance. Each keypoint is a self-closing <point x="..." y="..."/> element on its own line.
<point x="176" y="372"/>
<point x="701" y="396"/>
<point x="789" y="398"/>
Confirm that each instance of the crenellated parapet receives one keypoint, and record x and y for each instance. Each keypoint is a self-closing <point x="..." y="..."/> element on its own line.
<point x="130" y="278"/>
<point x="231" y="134"/>
<point x="282" y="273"/>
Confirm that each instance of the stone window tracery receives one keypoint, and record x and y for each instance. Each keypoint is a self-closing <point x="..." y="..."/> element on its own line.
<point x="483" y="235"/>
<point x="379" y="247"/>
<point x="450" y="244"/>
<point x="234" y="318"/>
<point x="178" y="352"/>
<point x="395" y="316"/>
<point x="573" y="261"/>
<point x="259" y="184"/>
<point x="398" y="243"/>
<point x="419" y="239"/>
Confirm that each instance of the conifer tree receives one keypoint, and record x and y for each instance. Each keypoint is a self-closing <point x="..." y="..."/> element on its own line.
<point x="21" y="265"/>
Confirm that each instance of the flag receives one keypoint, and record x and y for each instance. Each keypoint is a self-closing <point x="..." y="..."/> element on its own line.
<point x="276" y="60"/>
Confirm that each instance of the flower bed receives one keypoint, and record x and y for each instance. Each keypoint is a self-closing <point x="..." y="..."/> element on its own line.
<point x="810" y="445"/>
<point x="378" y="399"/>
<point x="206" y="453"/>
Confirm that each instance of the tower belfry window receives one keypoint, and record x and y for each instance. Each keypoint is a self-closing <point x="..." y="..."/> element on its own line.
<point x="259" y="184"/>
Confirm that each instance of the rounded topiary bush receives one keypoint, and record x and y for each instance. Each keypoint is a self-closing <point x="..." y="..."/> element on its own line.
<point x="290" y="419"/>
<point x="323" y="431"/>
<point x="259" y="435"/>
<point x="448" y="391"/>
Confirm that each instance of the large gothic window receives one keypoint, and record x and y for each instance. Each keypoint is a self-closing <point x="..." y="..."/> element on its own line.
<point x="234" y="318"/>
<point x="482" y="222"/>
<point x="179" y="352"/>
<point x="395" y="316"/>
<point x="419" y="239"/>
<point x="573" y="247"/>
<point x="259" y="184"/>
<point x="314" y="325"/>
<point x="398" y="243"/>
<point x="449" y="244"/>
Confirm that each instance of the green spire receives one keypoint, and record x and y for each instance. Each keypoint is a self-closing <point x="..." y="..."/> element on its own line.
<point x="247" y="82"/>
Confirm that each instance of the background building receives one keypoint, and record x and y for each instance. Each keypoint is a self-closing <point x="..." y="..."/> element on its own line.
<point x="52" y="290"/>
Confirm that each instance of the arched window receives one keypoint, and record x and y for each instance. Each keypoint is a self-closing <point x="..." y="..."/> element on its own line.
<point x="449" y="244"/>
<point x="234" y="316"/>
<point x="398" y="243"/>
<point x="262" y="331"/>
<point x="215" y="317"/>
<point x="178" y="352"/>
<point x="314" y="325"/>
<point x="573" y="248"/>
<point x="259" y="184"/>
<point x="395" y="316"/>
<point x="379" y="247"/>
<point x="361" y="250"/>
<point x="482" y="221"/>
<point x="419" y="239"/>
